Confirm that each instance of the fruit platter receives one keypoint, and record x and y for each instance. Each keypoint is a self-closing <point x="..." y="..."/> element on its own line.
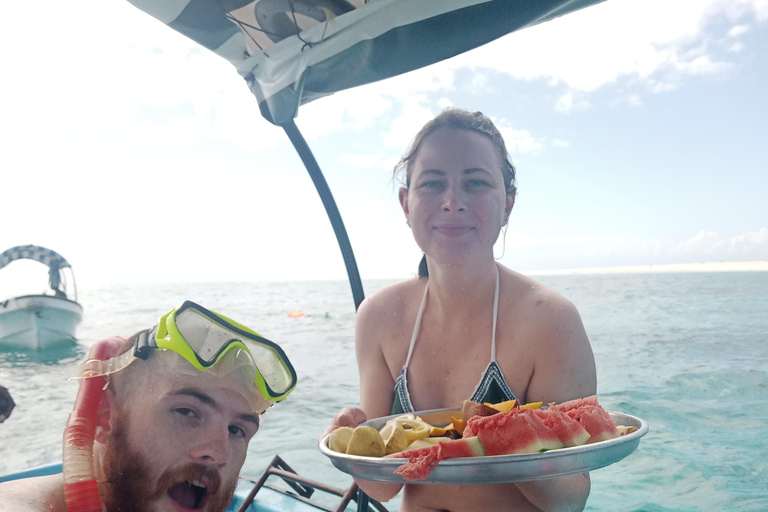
<point x="485" y="443"/>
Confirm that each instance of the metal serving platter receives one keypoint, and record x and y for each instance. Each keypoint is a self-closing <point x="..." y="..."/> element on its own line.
<point x="498" y="468"/>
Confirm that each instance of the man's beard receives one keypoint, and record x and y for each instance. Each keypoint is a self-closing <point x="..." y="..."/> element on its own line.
<point x="129" y="487"/>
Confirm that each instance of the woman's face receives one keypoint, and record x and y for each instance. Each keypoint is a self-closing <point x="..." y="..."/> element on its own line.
<point x="456" y="202"/>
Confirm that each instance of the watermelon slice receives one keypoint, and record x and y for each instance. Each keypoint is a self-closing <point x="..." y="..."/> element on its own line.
<point x="568" y="430"/>
<point x="421" y="461"/>
<point x="516" y="431"/>
<point x="575" y="404"/>
<point x="591" y="416"/>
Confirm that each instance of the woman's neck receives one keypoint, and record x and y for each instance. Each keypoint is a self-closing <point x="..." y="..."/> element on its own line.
<point x="462" y="290"/>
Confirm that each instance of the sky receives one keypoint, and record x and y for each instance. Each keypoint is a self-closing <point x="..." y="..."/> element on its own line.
<point x="638" y="128"/>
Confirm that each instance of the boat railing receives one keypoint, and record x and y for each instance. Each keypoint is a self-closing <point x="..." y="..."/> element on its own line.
<point x="302" y="489"/>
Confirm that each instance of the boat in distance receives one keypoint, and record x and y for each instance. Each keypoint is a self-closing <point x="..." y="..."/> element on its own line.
<point x="40" y="321"/>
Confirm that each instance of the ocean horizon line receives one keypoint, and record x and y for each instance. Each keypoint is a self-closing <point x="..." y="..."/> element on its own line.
<point x="710" y="266"/>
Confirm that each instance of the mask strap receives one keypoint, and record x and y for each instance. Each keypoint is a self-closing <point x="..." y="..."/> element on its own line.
<point x="144" y="343"/>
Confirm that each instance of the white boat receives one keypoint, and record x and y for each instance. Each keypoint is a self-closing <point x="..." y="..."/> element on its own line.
<point x="41" y="321"/>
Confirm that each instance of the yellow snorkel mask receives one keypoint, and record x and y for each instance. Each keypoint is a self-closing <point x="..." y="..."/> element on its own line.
<point x="192" y="339"/>
<point x="204" y="339"/>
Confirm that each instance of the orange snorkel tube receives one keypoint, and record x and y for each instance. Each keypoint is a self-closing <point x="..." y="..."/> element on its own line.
<point x="81" y="489"/>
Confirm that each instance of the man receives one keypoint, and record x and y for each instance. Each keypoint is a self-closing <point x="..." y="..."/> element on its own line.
<point x="182" y="402"/>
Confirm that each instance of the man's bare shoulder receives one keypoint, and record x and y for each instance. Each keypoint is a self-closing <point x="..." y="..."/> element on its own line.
<point x="38" y="494"/>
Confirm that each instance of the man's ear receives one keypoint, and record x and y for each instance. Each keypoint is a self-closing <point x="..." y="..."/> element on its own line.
<point x="106" y="417"/>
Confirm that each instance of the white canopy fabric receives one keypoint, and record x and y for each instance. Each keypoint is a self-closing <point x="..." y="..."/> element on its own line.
<point x="291" y="52"/>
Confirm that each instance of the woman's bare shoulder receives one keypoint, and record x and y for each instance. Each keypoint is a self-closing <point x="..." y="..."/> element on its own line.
<point x="392" y="300"/>
<point x="542" y="313"/>
<point x="529" y="292"/>
<point x="551" y="332"/>
<point x="383" y="315"/>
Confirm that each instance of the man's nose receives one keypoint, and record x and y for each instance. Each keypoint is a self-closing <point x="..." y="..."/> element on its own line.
<point x="453" y="199"/>
<point x="213" y="446"/>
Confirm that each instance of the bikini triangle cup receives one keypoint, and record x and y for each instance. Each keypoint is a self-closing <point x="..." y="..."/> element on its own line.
<point x="492" y="387"/>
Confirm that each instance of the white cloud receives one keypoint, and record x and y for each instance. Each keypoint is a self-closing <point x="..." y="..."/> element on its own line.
<point x="746" y="246"/>
<point x="571" y="101"/>
<point x="564" y="103"/>
<point x="703" y="66"/>
<point x="544" y="252"/>
<point x="738" y="30"/>
<point x="354" y="109"/>
<point x="518" y="141"/>
<point x="416" y="110"/>
<point x="444" y="103"/>
<point x="704" y="242"/>
<point x="559" y="143"/>
<point x="366" y="161"/>
<point x="656" y="42"/>
<point x="632" y="100"/>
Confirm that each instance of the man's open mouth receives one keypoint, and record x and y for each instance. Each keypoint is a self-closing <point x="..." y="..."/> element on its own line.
<point x="194" y="486"/>
<point x="191" y="495"/>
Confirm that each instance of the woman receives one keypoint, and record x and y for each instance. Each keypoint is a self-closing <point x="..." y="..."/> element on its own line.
<point x="467" y="327"/>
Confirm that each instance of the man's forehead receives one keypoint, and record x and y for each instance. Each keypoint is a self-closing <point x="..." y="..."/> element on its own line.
<point x="219" y="390"/>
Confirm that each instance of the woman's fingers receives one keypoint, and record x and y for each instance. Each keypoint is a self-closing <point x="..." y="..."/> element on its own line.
<point x="347" y="417"/>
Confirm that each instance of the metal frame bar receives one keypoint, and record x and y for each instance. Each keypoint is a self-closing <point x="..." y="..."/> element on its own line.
<point x="304" y="487"/>
<point x="330" y="207"/>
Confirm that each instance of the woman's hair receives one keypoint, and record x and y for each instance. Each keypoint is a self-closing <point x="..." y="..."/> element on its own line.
<point x="458" y="119"/>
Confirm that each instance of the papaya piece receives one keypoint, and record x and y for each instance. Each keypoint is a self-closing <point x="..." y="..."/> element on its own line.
<point x="439" y="431"/>
<point x="458" y="424"/>
<point x="503" y="406"/>
<point x="470" y="408"/>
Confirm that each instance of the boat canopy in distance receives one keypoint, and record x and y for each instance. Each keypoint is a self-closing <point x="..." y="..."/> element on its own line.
<point x="291" y="52"/>
<point x="33" y="252"/>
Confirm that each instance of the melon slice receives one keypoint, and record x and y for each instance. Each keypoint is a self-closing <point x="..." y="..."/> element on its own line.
<point x="517" y="431"/>
<point x="421" y="461"/>
<point x="591" y="416"/>
<point x="568" y="430"/>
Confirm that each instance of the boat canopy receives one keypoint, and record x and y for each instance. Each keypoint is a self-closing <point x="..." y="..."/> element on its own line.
<point x="34" y="252"/>
<point x="291" y="52"/>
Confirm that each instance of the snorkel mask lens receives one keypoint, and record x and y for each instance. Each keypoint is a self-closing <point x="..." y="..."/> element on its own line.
<point x="204" y="338"/>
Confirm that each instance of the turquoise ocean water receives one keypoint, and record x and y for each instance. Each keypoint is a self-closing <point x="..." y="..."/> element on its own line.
<point x="687" y="352"/>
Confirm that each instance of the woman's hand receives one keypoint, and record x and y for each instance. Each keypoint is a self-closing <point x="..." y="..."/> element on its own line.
<point x="347" y="417"/>
<point x="7" y="404"/>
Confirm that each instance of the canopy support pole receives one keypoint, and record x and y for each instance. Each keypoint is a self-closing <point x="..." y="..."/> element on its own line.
<point x="330" y="207"/>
